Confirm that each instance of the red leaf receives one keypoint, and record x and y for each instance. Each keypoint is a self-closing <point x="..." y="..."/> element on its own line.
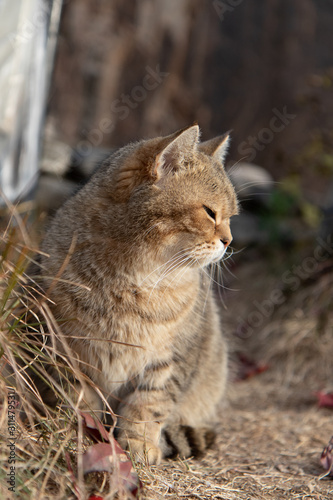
<point x="325" y="399"/>
<point x="129" y="477"/>
<point x="94" y="497"/>
<point x="98" y="457"/>
<point x="94" y="428"/>
<point x="326" y="458"/>
<point x="106" y="457"/>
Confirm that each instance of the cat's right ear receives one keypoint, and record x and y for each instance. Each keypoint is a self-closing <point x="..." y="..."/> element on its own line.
<point x="175" y="150"/>
<point x="217" y="147"/>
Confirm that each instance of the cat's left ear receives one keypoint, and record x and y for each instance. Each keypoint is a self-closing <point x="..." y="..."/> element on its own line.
<point x="217" y="147"/>
<point x="176" y="148"/>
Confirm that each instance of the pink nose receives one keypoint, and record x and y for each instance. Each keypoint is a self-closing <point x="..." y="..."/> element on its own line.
<point x="225" y="242"/>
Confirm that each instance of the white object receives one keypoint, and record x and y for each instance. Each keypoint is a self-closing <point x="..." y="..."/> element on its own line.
<point x="26" y="58"/>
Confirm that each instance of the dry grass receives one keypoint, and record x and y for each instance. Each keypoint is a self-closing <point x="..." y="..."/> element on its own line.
<point x="271" y="432"/>
<point x="40" y="443"/>
<point x="43" y="446"/>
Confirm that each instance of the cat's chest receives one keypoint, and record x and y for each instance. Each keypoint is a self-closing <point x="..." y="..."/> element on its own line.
<point x="142" y="329"/>
<point x="127" y="365"/>
<point x="130" y="309"/>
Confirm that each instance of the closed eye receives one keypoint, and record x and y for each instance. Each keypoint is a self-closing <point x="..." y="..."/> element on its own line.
<point x="210" y="212"/>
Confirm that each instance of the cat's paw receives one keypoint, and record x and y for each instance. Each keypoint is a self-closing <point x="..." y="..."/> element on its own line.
<point x="141" y="450"/>
<point x="186" y="441"/>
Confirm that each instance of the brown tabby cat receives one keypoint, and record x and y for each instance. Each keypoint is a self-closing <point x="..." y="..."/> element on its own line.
<point x="138" y="237"/>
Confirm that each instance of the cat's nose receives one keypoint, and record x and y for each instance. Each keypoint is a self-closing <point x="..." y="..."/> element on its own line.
<point x="226" y="242"/>
<point x="224" y="233"/>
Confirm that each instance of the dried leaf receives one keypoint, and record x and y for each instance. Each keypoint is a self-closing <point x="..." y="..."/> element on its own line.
<point x="326" y="458"/>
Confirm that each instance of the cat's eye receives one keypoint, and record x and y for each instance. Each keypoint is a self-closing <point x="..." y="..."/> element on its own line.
<point x="210" y="212"/>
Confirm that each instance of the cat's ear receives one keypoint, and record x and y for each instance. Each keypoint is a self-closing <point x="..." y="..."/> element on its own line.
<point x="176" y="148"/>
<point x="217" y="147"/>
<point x="152" y="159"/>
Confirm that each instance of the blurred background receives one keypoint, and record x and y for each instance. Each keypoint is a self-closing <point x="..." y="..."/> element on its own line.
<point x="128" y="70"/>
<point x="81" y="78"/>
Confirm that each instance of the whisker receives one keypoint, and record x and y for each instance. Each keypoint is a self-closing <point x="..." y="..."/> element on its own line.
<point x="181" y="253"/>
<point x="224" y="264"/>
<point x="249" y="184"/>
<point x="235" y="252"/>
<point x="175" y="265"/>
<point x="173" y="268"/>
<point x="209" y="288"/>
<point x="235" y="165"/>
<point x="221" y="289"/>
<point x="184" y="270"/>
<point x="222" y="286"/>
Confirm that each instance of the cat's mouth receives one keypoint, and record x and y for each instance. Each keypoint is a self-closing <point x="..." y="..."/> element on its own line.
<point x="204" y="257"/>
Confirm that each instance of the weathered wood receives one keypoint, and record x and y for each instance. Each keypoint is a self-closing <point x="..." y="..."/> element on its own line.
<point x="224" y="63"/>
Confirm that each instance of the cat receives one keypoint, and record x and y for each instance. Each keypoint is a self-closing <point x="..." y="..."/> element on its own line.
<point x="129" y="253"/>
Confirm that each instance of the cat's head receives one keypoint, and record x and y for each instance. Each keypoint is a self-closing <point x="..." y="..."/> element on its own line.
<point x="174" y="197"/>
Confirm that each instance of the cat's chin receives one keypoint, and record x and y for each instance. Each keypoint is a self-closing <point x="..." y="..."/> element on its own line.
<point x="205" y="262"/>
<point x="211" y="259"/>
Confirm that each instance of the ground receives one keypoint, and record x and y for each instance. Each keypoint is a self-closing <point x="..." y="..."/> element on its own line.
<point x="264" y="450"/>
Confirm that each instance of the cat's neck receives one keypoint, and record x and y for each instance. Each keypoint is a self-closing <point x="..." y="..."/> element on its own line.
<point x="167" y="275"/>
<point x="137" y="267"/>
<point x="155" y="276"/>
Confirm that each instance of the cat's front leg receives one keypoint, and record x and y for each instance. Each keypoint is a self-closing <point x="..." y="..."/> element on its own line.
<point x="142" y="416"/>
<point x="144" y="412"/>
